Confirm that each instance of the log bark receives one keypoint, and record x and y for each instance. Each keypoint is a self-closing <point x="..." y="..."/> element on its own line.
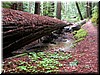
<point x="26" y="28"/>
<point x="15" y="35"/>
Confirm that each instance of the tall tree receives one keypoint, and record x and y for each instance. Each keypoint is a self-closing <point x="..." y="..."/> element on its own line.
<point x="89" y="9"/>
<point x="58" y="10"/>
<point x="14" y="6"/>
<point x="17" y="6"/>
<point x="79" y="11"/>
<point x="37" y="8"/>
<point x="20" y="6"/>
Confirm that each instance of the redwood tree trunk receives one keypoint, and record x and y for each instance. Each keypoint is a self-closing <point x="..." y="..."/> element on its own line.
<point x="14" y="6"/>
<point x="89" y="9"/>
<point x="58" y="11"/>
<point x="17" y="6"/>
<point x="20" y="6"/>
<point x="37" y="8"/>
<point x="26" y="28"/>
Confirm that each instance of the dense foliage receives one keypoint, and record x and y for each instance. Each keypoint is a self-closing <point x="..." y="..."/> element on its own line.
<point x="80" y="34"/>
<point x="28" y="6"/>
<point x="42" y="62"/>
<point x="48" y="9"/>
<point x="95" y="15"/>
<point x="69" y="10"/>
<point x="6" y="4"/>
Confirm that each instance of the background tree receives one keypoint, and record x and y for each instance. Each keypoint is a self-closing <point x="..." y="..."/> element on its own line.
<point x="89" y="9"/>
<point x="58" y="12"/>
<point x="37" y="8"/>
<point x="14" y="6"/>
<point x="20" y="6"/>
<point x="61" y="10"/>
<point x="17" y="6"/>
<point x="79" y="11"/>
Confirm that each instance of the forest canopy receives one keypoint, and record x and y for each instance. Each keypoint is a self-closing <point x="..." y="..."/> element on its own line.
<point x="61" y="10"/>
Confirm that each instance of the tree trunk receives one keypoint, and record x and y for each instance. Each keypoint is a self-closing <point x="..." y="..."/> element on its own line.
<point x="58" y="11"/>
<point x="30" y="27"/>
<point x="14" y="6"/>
<point x="90" y="9"/>
<point x="87" y="15"/>
<point x="37" y="8"/>
<point x="79" y="11"/>
<point x="20" y="6"/>
<point x="17" y="6"/>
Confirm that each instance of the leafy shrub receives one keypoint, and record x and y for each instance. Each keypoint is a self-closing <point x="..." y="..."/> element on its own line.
<point x="46" y="62"/>
<point x="6" y="4"/>
<point x="95" y="15"/>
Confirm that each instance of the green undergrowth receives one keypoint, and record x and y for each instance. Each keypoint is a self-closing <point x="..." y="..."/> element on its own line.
<point x="74" y="63"/>
<point x="45" y="62"/>
<point x="95" y="16"/>
<point x="79" y="36"/>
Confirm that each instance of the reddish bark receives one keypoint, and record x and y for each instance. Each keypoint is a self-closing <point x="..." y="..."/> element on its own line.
<point x="58" y="13"/>
<point x="20" y="18"/>
<point x="37" y="8"/>
<point x="38" y="26"/>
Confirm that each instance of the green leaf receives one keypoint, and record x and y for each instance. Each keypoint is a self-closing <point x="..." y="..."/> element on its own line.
<point x="74" y="63"/>
<point x="22" y="67"/>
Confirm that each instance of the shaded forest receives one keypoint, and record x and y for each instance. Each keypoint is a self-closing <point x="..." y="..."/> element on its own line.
<point x="50" y="37"/>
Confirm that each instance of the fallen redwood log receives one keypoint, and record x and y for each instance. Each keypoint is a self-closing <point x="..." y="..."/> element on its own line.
<point x="17" y="30"/>
<point x="15" y="17"/>
<point x="17" y="35"/>
<point x="38" y="27"/>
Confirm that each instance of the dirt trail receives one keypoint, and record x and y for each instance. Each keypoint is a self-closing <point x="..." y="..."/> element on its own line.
<point x="86" y="52"/>
<point x="92" y="30"/>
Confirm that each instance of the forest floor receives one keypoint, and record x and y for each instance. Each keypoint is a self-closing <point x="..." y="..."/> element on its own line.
<point x="85" y="52"/>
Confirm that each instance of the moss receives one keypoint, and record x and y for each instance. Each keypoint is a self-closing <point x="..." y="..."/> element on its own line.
<point x="80" y="34"/>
